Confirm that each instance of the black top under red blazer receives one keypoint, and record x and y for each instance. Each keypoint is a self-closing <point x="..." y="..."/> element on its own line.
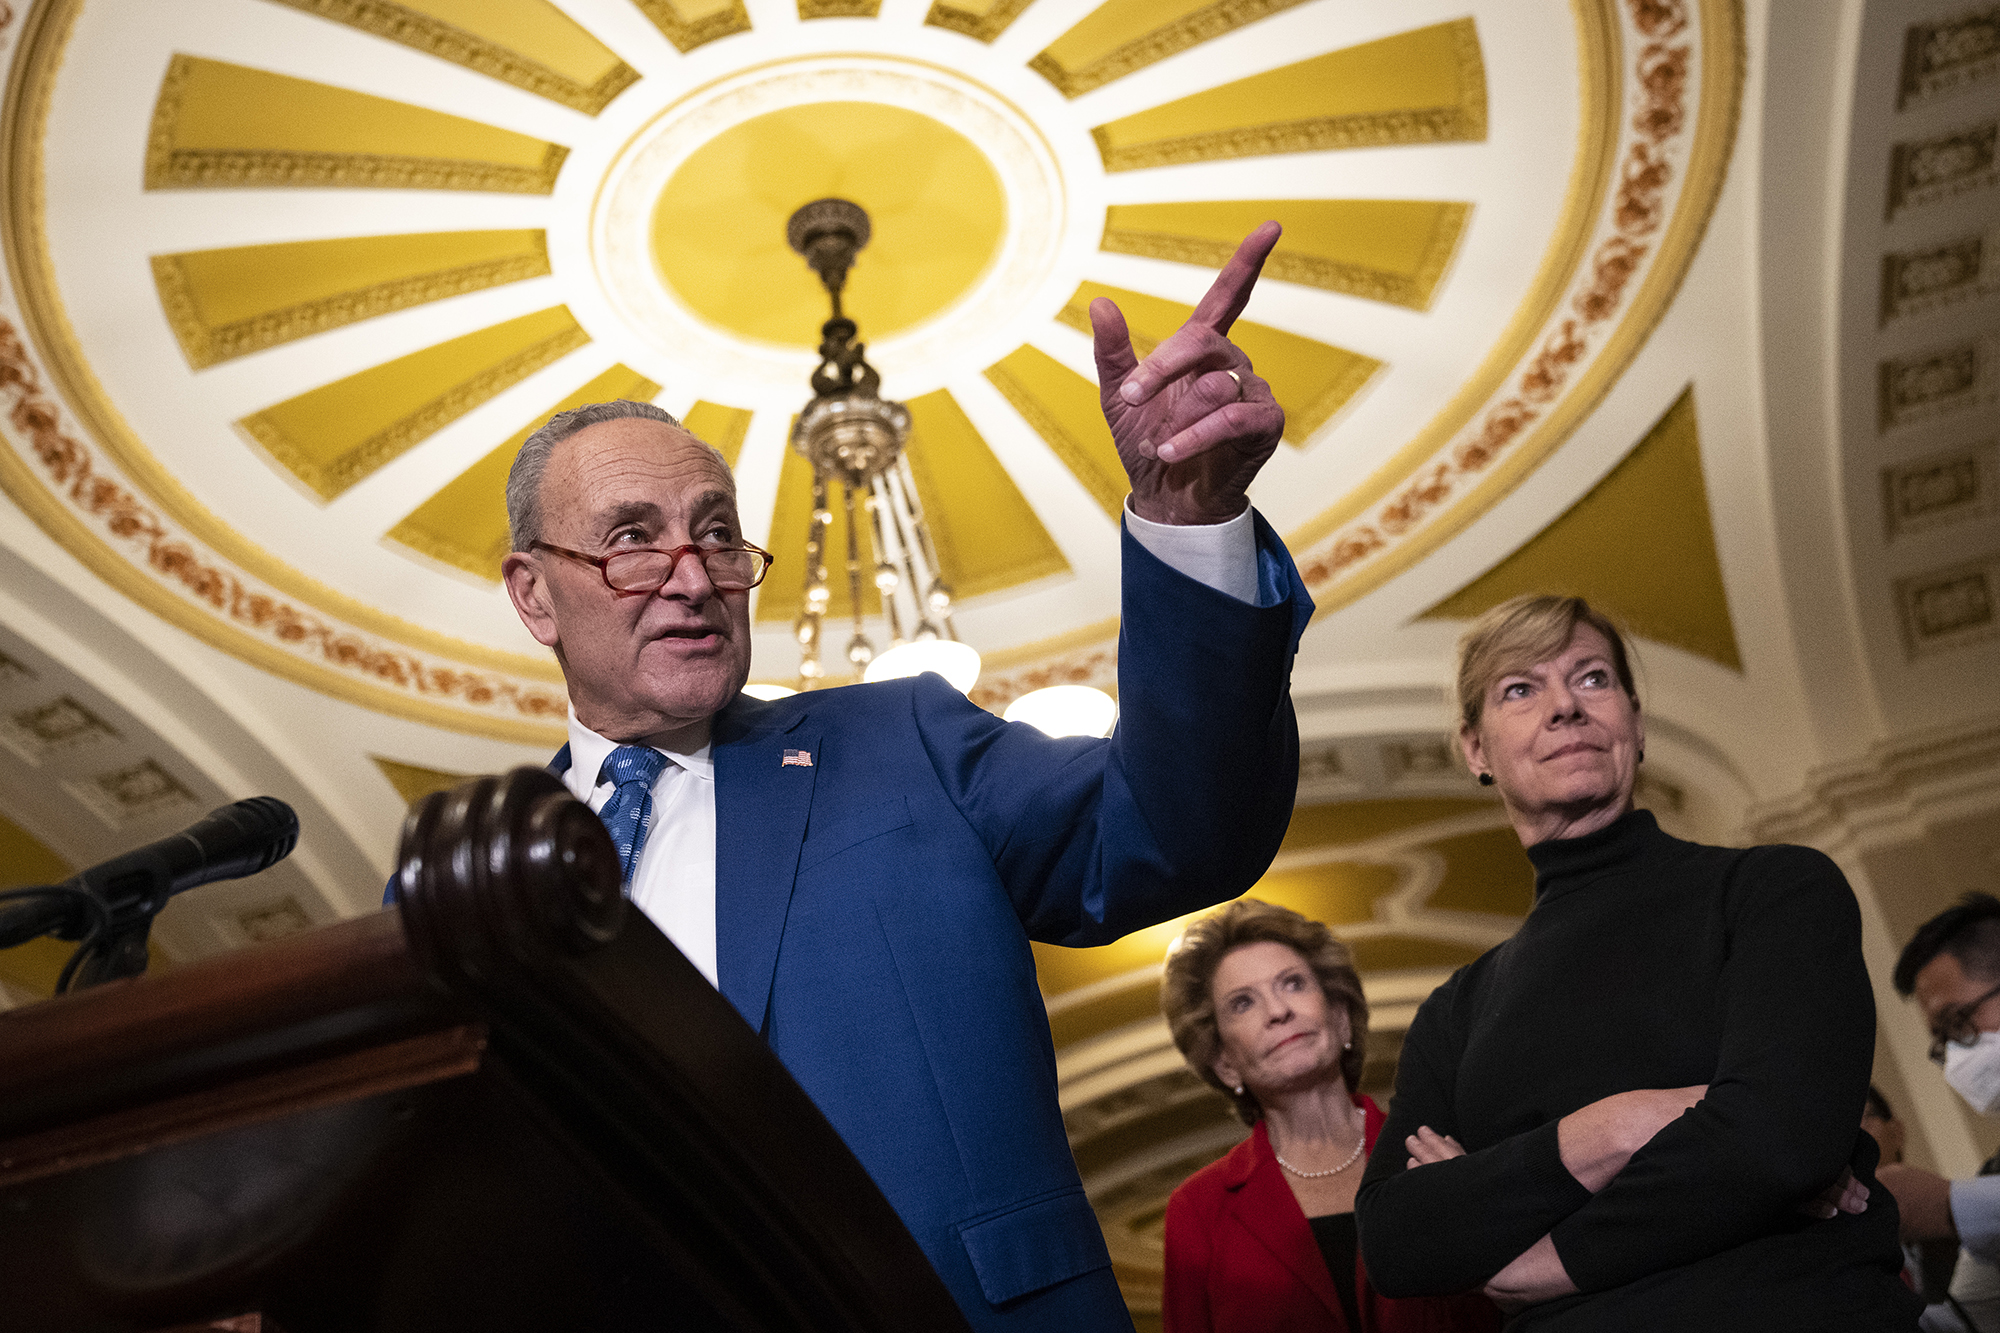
<point x="1241" y="1258"/>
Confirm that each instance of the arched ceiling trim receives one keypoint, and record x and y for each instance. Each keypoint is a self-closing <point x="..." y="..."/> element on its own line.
<point x="1641" y="192"/>
<point x="495" y="37"/>
<point x="183" y="584"/>
<point x="1654" y="501"/>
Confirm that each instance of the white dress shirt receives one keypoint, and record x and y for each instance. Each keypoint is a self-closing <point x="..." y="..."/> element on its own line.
<point x="1975" y="1213"/>
<point x="674" y="881"/>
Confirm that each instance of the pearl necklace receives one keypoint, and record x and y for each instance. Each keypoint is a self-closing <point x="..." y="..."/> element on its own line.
<point x="1332" y="1171"/>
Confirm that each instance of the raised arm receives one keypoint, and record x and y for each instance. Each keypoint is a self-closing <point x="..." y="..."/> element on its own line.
<point x="1193" y="422"/>
<point x="1186" y="804"/>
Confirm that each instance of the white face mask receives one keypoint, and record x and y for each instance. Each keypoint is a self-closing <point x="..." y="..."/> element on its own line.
<point x="1974" y="1071"/>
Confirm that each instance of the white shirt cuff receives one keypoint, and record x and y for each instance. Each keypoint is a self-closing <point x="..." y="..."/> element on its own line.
<point x="1975" y="1212"/>
<point x="1221" y="555"/>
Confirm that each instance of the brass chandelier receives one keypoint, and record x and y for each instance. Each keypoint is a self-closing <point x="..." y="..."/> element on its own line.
<point x="855" y="440"/>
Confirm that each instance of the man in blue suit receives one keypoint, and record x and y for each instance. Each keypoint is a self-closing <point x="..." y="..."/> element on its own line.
<point x="860" y="870"/>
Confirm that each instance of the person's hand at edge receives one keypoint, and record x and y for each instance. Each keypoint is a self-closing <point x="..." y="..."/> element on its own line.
<point x="1923" y="1201"/>
<point x="1844" y="1195"/>
<point x="1193" y="423"/>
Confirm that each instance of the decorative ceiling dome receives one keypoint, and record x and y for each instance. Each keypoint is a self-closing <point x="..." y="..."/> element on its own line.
<point x="307" y="278"/>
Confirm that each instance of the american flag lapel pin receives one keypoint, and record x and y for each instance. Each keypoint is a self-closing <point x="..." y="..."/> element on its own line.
<point x="796" y="759"/>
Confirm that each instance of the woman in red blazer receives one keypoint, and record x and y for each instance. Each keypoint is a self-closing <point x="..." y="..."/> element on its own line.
<point x="1265" y="1005"/>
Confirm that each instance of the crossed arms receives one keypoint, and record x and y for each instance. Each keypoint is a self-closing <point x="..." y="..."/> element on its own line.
<point x="1643" y="1181"/>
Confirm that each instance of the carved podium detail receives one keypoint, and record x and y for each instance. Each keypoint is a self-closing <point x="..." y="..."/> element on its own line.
<point x="508" y="1104"/>
<point x="505" y="875"/>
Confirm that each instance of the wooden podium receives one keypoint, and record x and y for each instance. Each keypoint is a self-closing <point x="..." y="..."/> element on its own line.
<point x="510" y="1104"/>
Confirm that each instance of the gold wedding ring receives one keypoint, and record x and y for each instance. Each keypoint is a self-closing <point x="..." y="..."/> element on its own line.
<point x="1239" y="382"/>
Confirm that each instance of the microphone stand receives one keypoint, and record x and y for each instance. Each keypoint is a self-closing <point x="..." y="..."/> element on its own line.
<point x="110" y="907"/>
<point x="66" y="912"/>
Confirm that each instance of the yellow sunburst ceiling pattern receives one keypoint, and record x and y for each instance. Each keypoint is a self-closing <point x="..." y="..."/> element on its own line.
<point x="717" y="238"/>
<point x="219" y="124"/>
<point x="505" y="207"/>
<point x="227" y="303"/>
<point x="935" y="208"/>
<point x="531" y="44"/>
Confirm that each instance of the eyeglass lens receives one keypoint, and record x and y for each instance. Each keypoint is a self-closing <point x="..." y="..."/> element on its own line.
<point x="1957" y="1028"/>
<point x="644" y="571"/>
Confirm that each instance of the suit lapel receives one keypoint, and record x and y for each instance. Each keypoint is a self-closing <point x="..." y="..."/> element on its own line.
<point x="1266" y="1209"/>
<point x="761" y="805"/>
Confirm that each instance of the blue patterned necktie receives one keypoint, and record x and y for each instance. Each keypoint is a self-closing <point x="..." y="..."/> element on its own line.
<point x="629" y="812"/>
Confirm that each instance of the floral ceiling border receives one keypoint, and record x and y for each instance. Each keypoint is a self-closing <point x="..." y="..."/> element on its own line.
<point x="119" y="527"/>
<point x="1651" y="182"/>
<point x="1671" y="157"/>
<point x="96" y="515"/>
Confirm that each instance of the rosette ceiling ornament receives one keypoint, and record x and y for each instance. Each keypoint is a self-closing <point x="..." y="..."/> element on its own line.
<point x="854" y="440"/>
<point x="289" y="281"/>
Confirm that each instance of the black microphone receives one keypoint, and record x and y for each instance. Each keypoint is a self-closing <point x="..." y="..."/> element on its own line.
<point x="231" y="842"/>
<point x="111" y="906"/>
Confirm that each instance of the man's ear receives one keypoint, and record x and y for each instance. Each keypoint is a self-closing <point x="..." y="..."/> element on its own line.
<point x="527" y="588"/>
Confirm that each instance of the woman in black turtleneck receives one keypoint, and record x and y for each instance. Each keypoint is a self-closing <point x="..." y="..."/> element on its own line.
<point x="1641" y="1111"/>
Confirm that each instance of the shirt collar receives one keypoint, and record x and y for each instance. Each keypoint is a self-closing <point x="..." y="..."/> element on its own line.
<point x="588" y="751"/>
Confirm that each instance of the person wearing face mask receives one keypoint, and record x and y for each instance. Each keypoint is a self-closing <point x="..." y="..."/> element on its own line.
<point x="1952" y="967"/>
<point x="1640" y="1112"/>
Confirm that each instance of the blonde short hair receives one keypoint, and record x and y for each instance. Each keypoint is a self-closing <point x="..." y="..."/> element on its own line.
<point x="1521" y="632"/>
<point x="1187" y="994"/>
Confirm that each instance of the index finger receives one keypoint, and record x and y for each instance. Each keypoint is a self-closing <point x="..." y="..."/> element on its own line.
<point x="1230" y="291"/>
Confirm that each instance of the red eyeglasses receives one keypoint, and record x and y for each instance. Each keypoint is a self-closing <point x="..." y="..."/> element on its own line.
<point x="645" y="569"/>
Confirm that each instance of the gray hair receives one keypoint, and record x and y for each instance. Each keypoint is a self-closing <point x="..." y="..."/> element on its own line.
<point x="524" y="479"/>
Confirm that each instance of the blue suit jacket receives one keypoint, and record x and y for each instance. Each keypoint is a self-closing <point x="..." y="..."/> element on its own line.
<point x="873" y="910"/>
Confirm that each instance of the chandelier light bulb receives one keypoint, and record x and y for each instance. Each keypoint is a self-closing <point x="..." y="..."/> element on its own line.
<point x="1066" y="710"/>
<point x="958" y="663"/>
<point x="758" y="689"/>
